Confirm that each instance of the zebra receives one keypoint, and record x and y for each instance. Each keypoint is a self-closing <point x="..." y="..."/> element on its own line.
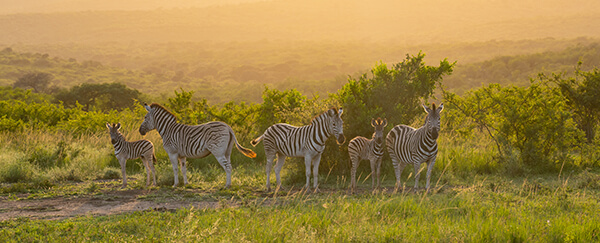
<point x="284" y="140"/>
<point x="407" y="145"/>
<point x="182" y="141"/>
<point x="361" y="148"/>
<point x="132" y="150"/>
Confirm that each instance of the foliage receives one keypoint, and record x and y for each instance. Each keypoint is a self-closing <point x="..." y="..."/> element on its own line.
<point x="105" y="96"/>
<point x="533" y="121"/>
<point x="581" y="93"/>
<point x="39" y="82"/>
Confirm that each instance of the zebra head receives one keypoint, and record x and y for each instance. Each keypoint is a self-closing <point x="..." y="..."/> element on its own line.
<point x="115" y="135"/>
<point x="379" y="125"/>
<point x="337" y="125"/>
<point x="148" y="123"/>
<point x="432" y="121"/>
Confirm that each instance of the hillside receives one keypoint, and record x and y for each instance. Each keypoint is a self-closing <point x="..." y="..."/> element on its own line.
<point x="238" y="71"/>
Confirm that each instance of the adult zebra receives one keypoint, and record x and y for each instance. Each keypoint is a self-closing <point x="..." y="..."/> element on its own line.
<point x="124" y="151"/>
<point x="407" y="145"/>
<point x="361" y="148"/>
<point x="284" y="140"/>
<point x="184" y="141"/>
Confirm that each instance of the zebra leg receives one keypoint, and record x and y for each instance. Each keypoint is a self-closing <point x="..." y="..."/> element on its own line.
<point x="224" y="162"/>
<point x="378" y="171"/>
<point x="174" y="161"/>
<point x="316" y="161"/>
<point x="398" y="168"/>
<point x="417" y="175"/>
<point x="122" y="162"/>
<point x="147" y="161"/>
<point x="429" y="169"/>
<point x="280" y="160"/>
<point x="184" y="170"/>
<point x="270" y="158"/>
<point x="355" y="162"/>
<point x="373" y="173"/>
<point x="307" y="162"/>
<point x="151" y="164"/>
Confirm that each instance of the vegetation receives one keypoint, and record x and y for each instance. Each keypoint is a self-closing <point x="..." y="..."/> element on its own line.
<point x="514" y="162"/>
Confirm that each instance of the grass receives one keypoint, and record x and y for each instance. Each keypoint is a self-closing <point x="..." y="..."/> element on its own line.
<point x="493" y="209"/>
<point x="474" y="199"/>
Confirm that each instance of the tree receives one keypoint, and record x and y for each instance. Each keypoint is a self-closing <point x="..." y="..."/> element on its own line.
<point x="38" y="81"/>
<point x="530" y="123"/>
<point x="582" y="94"/>
<point x="105" y="96"/>
<point x="394" y="94"/>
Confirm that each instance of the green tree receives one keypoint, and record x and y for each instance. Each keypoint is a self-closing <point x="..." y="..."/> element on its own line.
<point x="530" y="123"/>
<point x="105" y="96"/>
<point x="394" y="94"/>
<point x="582" y="93"/>
<point x="39" y="82"/>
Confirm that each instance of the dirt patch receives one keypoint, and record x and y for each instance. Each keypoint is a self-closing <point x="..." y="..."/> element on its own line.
<point x="108" y="203"/>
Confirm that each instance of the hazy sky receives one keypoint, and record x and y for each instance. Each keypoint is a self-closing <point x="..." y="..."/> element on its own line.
<point x="426" y="21"/>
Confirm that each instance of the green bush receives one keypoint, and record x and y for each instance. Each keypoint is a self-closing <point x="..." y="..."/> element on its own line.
<point x="530" y="123"/>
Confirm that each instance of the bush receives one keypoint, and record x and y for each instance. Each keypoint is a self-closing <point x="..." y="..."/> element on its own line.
<point x="531" y="123"/>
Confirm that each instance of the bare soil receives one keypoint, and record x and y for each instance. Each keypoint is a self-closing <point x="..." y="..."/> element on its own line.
<point x="111" y="202"/>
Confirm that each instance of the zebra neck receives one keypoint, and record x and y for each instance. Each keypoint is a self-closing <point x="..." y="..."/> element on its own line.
<point x="320" y="130"/>
<point x="165" y="124"/>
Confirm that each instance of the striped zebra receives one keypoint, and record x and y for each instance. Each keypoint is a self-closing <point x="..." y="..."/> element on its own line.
<point x="124" y="151"/>
<point x="284" y="140"/>
<point x="407" y="145"/>
<point x="361" y="148"/>
<point x="184" y="141"/>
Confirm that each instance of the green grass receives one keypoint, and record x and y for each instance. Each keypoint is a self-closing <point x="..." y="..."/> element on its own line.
<point x="493" y="209"/>
<point x="474" y="199"/>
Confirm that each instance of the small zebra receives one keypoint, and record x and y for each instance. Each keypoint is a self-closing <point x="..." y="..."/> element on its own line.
<point x="184" y="141"/>
<point x="407" y="145"/>
<point x="132" y="150"/>
<point x="361" y="148"/>
<point x="284" y="140"/>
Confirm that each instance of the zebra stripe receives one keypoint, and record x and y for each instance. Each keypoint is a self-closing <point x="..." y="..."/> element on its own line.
<point x="284" y="140"/>
<point x="361" y="148"/>
<point x="124" y="151"/>
<point x="407" y="145"/>
<point x="184" y="141"/>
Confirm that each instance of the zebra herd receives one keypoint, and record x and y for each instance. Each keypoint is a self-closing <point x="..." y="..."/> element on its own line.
<point x="406" y="145"/>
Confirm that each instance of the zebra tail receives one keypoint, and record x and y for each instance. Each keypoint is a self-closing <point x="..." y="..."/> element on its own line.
<point x="247" y="152"/>
<point x="153" y="158"/>
<point x="257" y="140"/>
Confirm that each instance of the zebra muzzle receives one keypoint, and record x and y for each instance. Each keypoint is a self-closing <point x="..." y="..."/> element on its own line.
<point x="341" y="139"/>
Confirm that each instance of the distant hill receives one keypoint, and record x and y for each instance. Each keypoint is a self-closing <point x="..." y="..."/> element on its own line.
<point x="519" y="69"/>
<point x="405" y="22"/>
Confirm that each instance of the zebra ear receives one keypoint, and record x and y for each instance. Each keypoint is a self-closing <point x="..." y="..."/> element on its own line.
<point x="440" y="108"/>
<point x="426" y="108"/>
<point x="373" y="122"/>
<point x="384" y="122"/>
<point x="108" y="125"/>
<point x="147" y="107"/>
<point x="340" y="112"/>
<point x="118" y="126"/>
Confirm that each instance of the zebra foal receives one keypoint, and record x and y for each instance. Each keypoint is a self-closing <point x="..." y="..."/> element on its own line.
<point x="284" y="140"/>
<point x="184" y="141"/>
<point x="124" y="151"/>
<point x="361" y="148"/>
<point x="407" y="145"/>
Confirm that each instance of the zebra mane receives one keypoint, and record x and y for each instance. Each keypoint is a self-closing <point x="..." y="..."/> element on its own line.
<point x="156" y="105"/>
<point x="333" y="109"/>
